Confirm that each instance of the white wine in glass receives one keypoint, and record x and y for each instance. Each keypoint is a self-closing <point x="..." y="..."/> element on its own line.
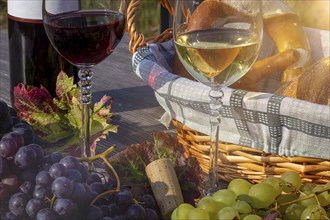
<point x="217" y="42"/>
<point x="218" y="56"/>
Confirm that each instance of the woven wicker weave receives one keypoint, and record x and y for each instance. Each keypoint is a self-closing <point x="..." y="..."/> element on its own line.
<point x="235" y="161"/>
<point x="137" y="40"/>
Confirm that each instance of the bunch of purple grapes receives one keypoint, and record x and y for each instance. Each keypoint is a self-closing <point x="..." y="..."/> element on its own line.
<point x="14" y="134"/>
<point x="62" y="188"/>
<point x="46" y="187"/>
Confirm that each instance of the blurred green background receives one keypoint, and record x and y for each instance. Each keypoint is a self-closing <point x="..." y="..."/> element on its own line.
<point x="313" y="13"/>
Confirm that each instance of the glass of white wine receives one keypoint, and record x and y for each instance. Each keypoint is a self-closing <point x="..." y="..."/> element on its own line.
<point x="217" y="42"/>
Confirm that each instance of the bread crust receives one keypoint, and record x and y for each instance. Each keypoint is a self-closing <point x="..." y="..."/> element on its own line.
<point x="312" y="85"/>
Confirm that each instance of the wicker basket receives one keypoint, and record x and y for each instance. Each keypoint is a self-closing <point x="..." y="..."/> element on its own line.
<point x="235" y="161"/>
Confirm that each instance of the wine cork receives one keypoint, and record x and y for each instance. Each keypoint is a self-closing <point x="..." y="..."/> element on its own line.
<point x="165" y="185"/>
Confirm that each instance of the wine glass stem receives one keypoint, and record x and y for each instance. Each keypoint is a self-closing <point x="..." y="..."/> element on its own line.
<point x="215" y="104"/>
<point x="85" y="84"/>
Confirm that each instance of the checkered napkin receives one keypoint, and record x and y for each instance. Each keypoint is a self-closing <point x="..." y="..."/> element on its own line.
<point x="264" y="121"/>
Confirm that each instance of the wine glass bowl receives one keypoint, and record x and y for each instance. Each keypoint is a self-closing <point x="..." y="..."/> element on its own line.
<point x="218" y="49"/>
<point x="217" y="42"/>
<point x="85" y="38"/>
<point x="85" y="32"/>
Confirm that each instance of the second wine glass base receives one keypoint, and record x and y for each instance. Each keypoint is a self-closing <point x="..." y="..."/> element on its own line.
<point x="209" y="188"/>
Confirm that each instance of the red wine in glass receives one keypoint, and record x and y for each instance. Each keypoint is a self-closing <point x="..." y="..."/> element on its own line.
<point x="86" y="37"/>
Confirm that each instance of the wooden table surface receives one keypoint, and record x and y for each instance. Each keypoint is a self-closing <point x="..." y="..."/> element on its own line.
<point x="135" y="108"/>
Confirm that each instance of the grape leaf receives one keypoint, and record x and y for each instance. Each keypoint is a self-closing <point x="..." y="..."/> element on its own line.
<point x="58" y="120"/>
<point x="35" y="106"/>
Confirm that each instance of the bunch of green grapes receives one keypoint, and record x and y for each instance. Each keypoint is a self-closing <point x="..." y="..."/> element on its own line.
<point x="284" y="197"/>
<point x="303" y="200"/>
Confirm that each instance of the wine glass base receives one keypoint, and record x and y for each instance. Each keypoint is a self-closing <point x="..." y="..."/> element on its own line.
<point x="209" y="188"/>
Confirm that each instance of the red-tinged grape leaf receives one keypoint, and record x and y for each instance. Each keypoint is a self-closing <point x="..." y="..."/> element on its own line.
<point x="64" y="85"/>
<point x="103" y="107"/>
<point x="35" y="106"/>
<point x="130" y="164"/>
<point x="66" y="90"/>
<point x="58" y="121"/>
<point x="29" y="98"/>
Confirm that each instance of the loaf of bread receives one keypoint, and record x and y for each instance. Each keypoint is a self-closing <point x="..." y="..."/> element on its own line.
<point x="288" y="34"/>
<point x="312" y="85"/>
<point x="207" y="15"/>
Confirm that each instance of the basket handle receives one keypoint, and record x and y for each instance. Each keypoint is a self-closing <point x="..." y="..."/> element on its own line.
<point x="137" y="40"/>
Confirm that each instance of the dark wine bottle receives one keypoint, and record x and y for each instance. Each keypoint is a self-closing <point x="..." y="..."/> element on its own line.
<point x="33" y="60"/>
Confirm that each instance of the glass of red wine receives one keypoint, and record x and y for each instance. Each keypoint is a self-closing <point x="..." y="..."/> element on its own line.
<point x="85" y="32"/>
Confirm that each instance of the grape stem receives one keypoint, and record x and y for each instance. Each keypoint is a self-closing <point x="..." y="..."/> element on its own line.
<point x="137" y="202"/>
<point x="52" y="201"/>
<point x="103" y="194"/>
<point x="306" y="197"/>
<point x="103" y="156"/>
